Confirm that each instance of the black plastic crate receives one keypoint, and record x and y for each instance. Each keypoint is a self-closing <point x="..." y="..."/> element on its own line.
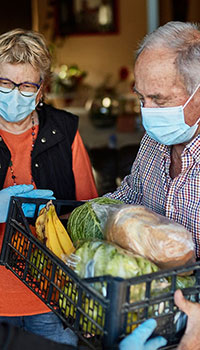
<point x="100" y="310"/>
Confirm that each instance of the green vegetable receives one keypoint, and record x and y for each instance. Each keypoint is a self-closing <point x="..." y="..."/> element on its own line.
<point x="84" y="223"/>
<point x="110" y="259"/>
<point x="90" y="307"/>
<point x="182" y="282"/>
<point x="185" y="282"/>
<point x="38" y="260"/>
<point x="85" y="253"/>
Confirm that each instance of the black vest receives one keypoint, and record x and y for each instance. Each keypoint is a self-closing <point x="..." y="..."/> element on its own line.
<point x="51" y="162"/>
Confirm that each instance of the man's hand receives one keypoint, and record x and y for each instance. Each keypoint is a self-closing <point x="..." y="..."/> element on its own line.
<point x="138" y="339"/>
<point x="191" y="338"/>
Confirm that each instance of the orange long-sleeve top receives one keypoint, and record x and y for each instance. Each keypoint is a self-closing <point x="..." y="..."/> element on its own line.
<point x="15" y="298"/>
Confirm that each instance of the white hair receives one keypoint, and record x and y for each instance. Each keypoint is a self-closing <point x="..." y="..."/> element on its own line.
<point x="183" y="38"/>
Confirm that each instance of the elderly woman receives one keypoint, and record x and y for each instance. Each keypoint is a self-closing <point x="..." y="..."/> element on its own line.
<point x="39" y="145"/>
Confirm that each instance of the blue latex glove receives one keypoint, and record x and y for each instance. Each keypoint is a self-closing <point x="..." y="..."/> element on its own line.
<point x="5" y="195"/>
<point x="138" y="339"/>
<point x="29" y="208"/>
<point x="23" y="191"/>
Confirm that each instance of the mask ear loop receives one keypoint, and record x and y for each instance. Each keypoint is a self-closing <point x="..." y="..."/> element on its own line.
<point x="141" y="104"/>
<point x="189" y="99"/>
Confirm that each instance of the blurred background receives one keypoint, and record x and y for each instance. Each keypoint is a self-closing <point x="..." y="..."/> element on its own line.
<point x="93" y="43"/>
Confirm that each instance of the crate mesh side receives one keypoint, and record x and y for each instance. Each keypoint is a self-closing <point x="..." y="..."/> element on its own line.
<point x="52" y="283"/>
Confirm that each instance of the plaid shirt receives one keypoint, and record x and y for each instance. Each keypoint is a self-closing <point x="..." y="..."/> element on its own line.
<point x="150" y="184"/>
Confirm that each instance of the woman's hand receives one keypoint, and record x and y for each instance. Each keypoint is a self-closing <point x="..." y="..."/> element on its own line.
<point x="29" y="208"/>
<point x="21" y="191"/>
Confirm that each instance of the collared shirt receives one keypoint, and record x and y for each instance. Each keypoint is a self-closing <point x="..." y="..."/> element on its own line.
<point x="150" y="184"/>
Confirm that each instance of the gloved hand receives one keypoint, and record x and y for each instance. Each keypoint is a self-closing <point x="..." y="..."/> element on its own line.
<point x="29" y="208"/>
<point x="138" y="339"/>
<point x="23" y="191"/>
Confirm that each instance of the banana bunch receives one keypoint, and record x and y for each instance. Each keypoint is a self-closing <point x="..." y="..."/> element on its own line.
<point x="40" y="224"/>
<point x="50" y="231"/>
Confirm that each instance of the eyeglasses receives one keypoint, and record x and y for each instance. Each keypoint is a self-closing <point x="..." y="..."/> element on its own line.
<point x="26" y="89"/>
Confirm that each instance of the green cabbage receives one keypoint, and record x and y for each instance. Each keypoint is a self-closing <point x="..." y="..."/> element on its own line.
<point x="108" y="259"/>
<point x="87" y="221"/>
<point x="85" y="254"/>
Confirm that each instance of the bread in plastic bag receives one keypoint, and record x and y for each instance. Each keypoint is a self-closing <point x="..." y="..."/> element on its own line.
<point x="153" y="236"/>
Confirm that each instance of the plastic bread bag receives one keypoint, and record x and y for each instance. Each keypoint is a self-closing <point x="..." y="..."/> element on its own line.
<point x="103" y="212"/>
<point x="153" y="236"/>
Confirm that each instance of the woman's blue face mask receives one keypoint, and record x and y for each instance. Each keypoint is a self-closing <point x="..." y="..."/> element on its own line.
<point x="14" y="107"/>
<point x="167" y="125"/>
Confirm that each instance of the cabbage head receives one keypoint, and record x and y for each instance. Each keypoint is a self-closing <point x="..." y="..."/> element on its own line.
<point x="109" y="259"/>
<point x="87" y="221"/>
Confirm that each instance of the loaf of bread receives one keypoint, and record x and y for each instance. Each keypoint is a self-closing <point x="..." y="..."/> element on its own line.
<point x="153" y="236"/>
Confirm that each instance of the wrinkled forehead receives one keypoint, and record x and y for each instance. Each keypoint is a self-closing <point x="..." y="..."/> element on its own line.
<point x="19" y="72"/>
<point x="157" y="65"/>
<point x="156" y="58"/>
<point x="156" y="73"/>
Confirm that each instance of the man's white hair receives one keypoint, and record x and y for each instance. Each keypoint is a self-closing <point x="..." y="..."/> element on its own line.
<point x="182" y="38"/>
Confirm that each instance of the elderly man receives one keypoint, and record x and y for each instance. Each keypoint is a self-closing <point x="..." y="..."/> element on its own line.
<point x="165" y="176"/>
<point x="166" y="173"/>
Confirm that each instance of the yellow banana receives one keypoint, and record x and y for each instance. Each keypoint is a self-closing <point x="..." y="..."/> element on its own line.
<point x="40" y="224"/>
<point x="62" y="235"/>
<point x="50" y="230"/>
<point x="52" y="241"/>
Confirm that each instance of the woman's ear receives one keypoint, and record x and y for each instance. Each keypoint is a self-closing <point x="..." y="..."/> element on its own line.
<point x="40" y="94"/>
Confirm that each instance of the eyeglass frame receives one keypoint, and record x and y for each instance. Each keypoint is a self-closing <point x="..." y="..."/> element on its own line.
<point x="18" y="85"/>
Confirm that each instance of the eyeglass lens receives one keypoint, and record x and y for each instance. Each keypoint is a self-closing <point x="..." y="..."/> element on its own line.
<point x="26" y="89"/>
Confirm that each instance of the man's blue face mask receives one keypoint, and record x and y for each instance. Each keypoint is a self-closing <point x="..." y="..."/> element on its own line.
<point x="167" y="125"/>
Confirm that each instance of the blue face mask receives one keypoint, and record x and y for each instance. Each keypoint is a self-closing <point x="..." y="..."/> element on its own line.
<point x="167" y="125"/>
<point x="15" y="107"/>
